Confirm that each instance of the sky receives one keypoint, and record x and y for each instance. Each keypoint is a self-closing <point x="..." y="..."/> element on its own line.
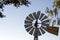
<point x="12" y="26"/>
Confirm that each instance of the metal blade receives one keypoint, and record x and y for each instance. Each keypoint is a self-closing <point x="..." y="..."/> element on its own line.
<point x="45" y="24"/>
<point x="44" y="18"/>
<point x="53" y="30"/>
<point x="38" y="14"/>
<point x="39" y="32"/>
<point x="41" y="16"/>
<point x="45" y="21"/>
<point x="27" y="22"/>
<point x="28" y="29"/>
<point x="27" y="25"/>
<point x="31" y="16"/>
<point x="42" y="31"/>
<point x="35" y="15"/>
<point x="31" y="32"/>
<point x="28" y="18"/>
<point x="44" y="27"/>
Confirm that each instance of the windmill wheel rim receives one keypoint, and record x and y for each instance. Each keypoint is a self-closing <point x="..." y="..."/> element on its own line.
<point x="33" y="16"/>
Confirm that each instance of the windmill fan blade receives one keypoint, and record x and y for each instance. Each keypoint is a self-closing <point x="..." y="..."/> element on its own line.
<point x="53" y="30"/>
<point x="27" y="22"/>
<point x="41" y="16"/>
<point x="27" y="18"/>
<point x="42" y="30"/>
<point x="45" y="21"/>
<point x="31" y="32"/>
<point x="31" y="16"/>
<point x="38" y="14"/>
<point x="28" y="29"/>
<point x="35" y="16"/>
<point x="44" y="27"/>
<point x="39" y="32"/>
<point x="28" y="25"/>
<point x="45" y="24"/>
<point x="44" y="17"/>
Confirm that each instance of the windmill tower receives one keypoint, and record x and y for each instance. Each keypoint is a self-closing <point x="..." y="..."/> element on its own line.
<point x="36" y="24"/>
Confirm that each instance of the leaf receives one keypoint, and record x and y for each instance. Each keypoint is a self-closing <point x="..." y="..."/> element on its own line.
<point x="55" y="11"/>
<point x="51" y="12"/>
<point x="56" y="3"/>
<point x="49" y="15"/>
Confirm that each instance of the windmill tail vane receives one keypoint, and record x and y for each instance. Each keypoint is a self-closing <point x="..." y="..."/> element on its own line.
<point x="53" y="30"/>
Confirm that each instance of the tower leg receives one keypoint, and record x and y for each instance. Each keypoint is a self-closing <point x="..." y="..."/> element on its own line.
<point x="36" y="38"/>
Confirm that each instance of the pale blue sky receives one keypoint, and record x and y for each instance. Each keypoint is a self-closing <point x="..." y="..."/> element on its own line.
<point x="12" y="26"/>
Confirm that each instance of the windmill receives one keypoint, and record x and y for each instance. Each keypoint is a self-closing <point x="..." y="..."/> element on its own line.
<point x="37" y="23"/>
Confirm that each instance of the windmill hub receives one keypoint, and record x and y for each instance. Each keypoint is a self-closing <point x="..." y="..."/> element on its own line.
<point x="39" y="23"/>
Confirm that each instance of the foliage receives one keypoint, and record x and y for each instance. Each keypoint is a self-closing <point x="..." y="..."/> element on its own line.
<point x="16" y="3"/>
<point x="52" y="12"/>
<point x="56" y="6"/>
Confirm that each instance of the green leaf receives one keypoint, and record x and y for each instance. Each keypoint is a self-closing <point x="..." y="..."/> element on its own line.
<point x="55" y="11"/>
<point x="51" y="12"/>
